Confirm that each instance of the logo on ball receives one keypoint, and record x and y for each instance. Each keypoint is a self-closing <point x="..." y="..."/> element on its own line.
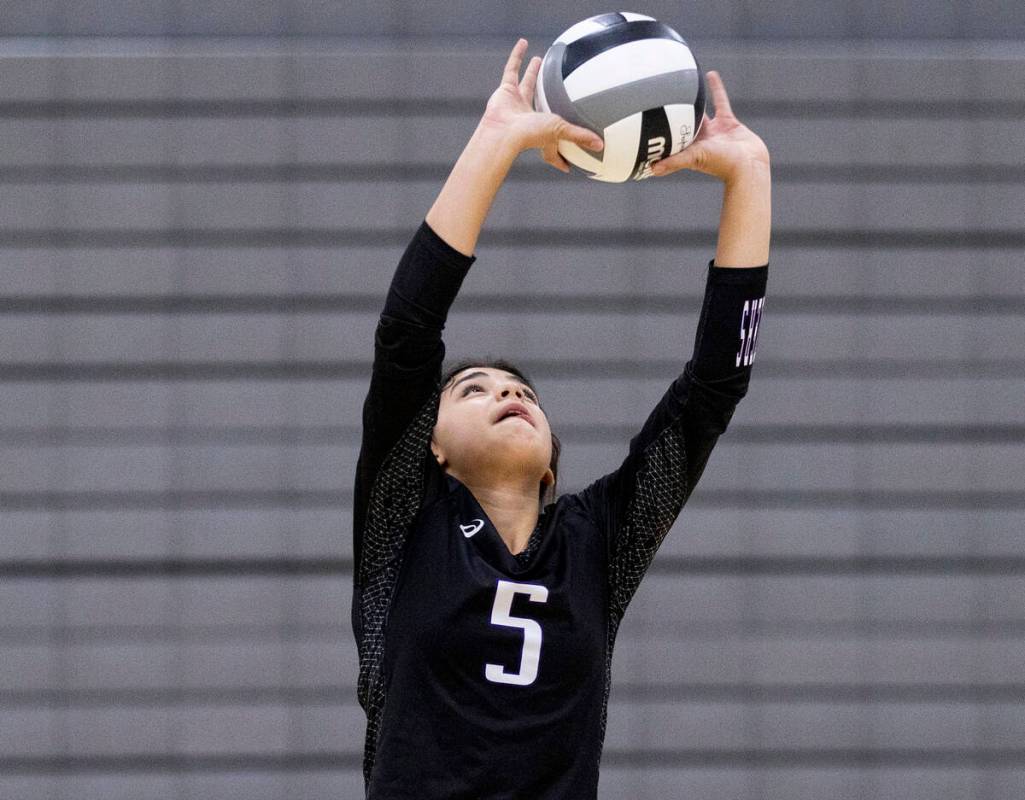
<point x="656" y="147"/>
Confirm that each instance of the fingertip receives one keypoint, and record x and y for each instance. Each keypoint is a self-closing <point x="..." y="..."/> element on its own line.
<point x="589" y="140"/>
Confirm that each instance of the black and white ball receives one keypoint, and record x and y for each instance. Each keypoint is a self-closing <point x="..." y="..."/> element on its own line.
<point x="632" y="80"/>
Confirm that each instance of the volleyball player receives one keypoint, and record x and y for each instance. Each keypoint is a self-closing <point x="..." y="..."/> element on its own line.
<point x="485" y="610"/>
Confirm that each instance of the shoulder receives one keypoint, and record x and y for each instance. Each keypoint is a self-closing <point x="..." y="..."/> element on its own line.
<point x="570" y="510"/>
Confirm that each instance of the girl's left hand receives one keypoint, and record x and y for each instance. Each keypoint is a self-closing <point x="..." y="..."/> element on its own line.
<point x="724" y="146"/>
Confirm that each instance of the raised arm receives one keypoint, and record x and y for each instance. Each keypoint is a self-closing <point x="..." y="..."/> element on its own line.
<point x="636" y="504"/>
<point x="408" y="347"/>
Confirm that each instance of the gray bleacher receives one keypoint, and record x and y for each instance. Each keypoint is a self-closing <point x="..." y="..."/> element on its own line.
<point x="196" y="234"/>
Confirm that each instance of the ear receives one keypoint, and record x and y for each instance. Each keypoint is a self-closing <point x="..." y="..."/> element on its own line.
<point x="548" y="478"/>
<point x="439" y="454"/>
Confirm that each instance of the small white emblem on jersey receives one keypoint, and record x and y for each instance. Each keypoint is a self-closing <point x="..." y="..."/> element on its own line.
<point x="470" y="530"/>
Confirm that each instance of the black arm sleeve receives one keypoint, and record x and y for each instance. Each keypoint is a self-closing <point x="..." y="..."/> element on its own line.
<point x="408" y="352"/>
<point x="636" y="504"/>
<point x="394" y="459"/>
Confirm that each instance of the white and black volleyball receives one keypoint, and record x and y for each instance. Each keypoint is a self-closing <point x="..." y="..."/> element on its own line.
<point x="632" y="80"/>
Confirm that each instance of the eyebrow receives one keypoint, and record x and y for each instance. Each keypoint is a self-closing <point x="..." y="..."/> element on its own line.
<point x="480" y="374"/>
<point x="477" y="374"/>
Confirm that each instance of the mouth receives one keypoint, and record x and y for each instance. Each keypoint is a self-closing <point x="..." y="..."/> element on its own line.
<point x="513" y="411"/>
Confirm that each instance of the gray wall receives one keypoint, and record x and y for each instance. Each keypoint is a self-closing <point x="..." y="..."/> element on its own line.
<point x="195" y="238"/>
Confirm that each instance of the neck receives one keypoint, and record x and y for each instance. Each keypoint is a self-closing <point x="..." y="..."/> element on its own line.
<point x="512" y="509"/>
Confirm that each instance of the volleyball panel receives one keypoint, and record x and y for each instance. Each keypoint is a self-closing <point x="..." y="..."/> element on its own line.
<point x="633" y="62"/>
<point x="653" y="143"/>
<point x="631" y="17"/>
<point x="550" y="94"/>
<point x="672" y="88"/>
<point x="682" y="127"/>
<point x="589" y="26"/>
<point x="618" y="159"/>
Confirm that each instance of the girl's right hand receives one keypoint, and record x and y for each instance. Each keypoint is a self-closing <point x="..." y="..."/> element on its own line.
<point x="510" y="112"/>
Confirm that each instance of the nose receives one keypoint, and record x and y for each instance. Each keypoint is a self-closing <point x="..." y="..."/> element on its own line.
<point x="511" y="388"/>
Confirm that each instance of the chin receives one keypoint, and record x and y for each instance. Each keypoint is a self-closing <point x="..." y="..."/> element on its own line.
<point x="521" y="452"/>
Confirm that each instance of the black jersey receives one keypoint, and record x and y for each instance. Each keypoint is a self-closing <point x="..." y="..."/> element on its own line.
<point x="485" y="674"/>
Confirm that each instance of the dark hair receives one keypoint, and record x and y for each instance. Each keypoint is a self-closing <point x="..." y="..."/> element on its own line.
<point x="546" y="494"/>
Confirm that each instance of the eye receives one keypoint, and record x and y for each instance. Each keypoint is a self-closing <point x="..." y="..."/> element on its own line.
<point x="530" y="395"/>
<point x="471" y="387"/>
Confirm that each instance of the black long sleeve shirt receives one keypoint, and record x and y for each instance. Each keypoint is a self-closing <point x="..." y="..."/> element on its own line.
<point x="484" y="674"/>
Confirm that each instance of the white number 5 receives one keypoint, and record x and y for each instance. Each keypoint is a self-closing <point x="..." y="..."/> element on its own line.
<point x="531" y="653"/>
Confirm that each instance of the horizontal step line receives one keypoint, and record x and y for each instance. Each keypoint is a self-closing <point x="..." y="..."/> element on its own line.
<point x="880" y="368"/>
<point x="596" y="238"/>
<point x="834" y="632"/>
<point x="471" y="107"/>
<point x="233" y="108"/>
<point x="349" y="435"/>
<point x="175" y="501"/>
<point x="507" y="303"/>
<point x="944" y="759"/>
<point x="889" y="174"/>
<point x="294" y="632"/>
<point x="177" y="764"/>
<point x="171" y="697"/>
<point x="837" y="566"/>
<point x="698" y="634"/>
<point x="171" y="568"/>
<point x="868" y="694"/>
<point x="861" y="499"/>
<point x="118" y="371"/>
<point x="740" y="566"/>
<point x="746" y="759"/>
<point x="291" y="173"/>
<point x="341" y="499"/>
<point x="956" y="693"/>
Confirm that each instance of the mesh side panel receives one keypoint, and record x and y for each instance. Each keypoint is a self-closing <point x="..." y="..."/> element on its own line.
<point x="659" y="494"/>
<point x="394" y="502"/>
